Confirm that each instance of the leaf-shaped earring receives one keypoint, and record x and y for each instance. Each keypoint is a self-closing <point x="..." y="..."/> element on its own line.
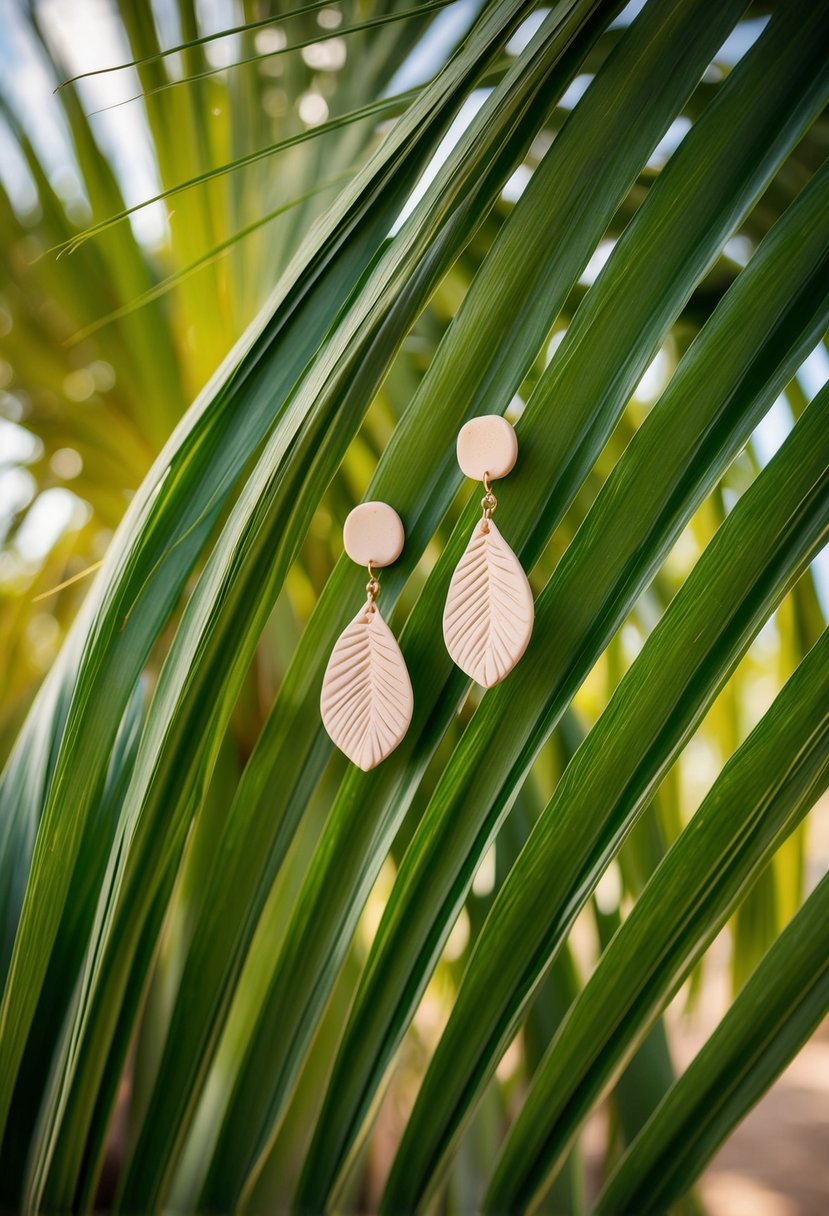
<point x="366" y="701"/>
<point x="488" y="618"/>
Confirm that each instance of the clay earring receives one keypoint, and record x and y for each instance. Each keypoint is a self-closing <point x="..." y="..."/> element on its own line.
<point x="488" y="618"/>
<point x="366" y="701"/>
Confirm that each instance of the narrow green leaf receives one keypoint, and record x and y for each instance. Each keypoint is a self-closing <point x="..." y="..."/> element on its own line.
<point x="171" y="517"/>
<point x="319" y="35"/>
<point x="69" y="946"/>
<point x="705" y="416"/>
<point x="758" y="799"/>
<point x="386" y="105"/>
<point x="248" y="27"/>
<point x="774" y="1015"/>
<point x="754" y="558"/>
<point x="222" y="621"/>
<point x="605" y="352"/>
<point x="465" y="370"/>
<point x="167" y="284"/>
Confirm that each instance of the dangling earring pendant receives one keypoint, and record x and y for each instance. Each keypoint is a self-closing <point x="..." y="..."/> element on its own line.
<point x="489" y="613"/>
<point x="366" y="700"/>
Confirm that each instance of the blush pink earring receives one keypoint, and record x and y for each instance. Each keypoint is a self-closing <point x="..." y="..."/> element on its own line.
<point x="489" y="613"/>
<point x="366" y="700"/>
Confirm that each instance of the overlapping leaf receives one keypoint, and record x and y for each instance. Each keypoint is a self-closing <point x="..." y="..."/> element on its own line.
<point x="765" y="789"/>
<point x="234" y="595"/>
<point x="756" y="555"/>
<point x="361" y="841"/>
<point x="294" y="393"/>
<point x="592" y="589"/>
<point x="775" y="1013"/>
<point x="170" y="519"/>
<point x="468" y="366"/>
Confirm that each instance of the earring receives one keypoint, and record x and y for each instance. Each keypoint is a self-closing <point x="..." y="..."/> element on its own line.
<point x="488" y="618"/>
<point x="366" y="700"/>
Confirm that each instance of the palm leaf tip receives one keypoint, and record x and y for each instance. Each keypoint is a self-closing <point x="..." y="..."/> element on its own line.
<point x="366" y="701"/>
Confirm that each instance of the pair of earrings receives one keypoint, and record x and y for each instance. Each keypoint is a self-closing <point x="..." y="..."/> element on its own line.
<point x="366" y="701"/>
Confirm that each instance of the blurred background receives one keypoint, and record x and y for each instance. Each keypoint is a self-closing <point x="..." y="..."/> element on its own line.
<point x="104" y="343"/>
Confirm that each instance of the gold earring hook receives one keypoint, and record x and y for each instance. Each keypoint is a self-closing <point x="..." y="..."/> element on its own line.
<point x="489" y="502"/>
<point x="372" y="586"/>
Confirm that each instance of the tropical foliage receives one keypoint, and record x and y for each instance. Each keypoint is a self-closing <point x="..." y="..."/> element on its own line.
<point x="238" y="971"/>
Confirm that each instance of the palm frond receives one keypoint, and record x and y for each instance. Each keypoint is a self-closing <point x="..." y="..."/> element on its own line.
<point x="239" y="972"/>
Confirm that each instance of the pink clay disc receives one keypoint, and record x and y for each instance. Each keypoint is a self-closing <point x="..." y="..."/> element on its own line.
<point x="373" y="532"/>
<point x="487" y="445"/>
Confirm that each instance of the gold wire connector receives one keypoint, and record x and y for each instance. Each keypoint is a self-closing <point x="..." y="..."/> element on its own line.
<point x="372" y="586"/>
<point x="489" y="502"/>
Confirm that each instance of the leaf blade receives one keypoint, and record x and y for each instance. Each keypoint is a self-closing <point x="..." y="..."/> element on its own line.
<point x="171" y="517"/>
<point x="473" y="793"/>
<point x="353" y="838"/>
<point x="780" y="1006"/>
<point x="764" y="790"/>
<point x="252" y="836"/>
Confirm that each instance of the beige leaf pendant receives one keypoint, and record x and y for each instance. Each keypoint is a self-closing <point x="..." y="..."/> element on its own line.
<point x="489" y="613"/>
<point x="366" y="700"/>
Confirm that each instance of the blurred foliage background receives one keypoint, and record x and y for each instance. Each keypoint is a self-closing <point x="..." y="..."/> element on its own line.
<point x="104" y="342"/>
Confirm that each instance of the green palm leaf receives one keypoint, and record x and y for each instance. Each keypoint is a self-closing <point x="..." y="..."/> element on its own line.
<point x="241" y="581"/>
<point x="453" y="828"/>
<point x="780" y="1006"/>
<point x="216" y="935"/>
<point x="168" y="523"/>
<point x="737" y="582"/>
<point x="462" y="367"/>
<point x="767" y="786"/>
